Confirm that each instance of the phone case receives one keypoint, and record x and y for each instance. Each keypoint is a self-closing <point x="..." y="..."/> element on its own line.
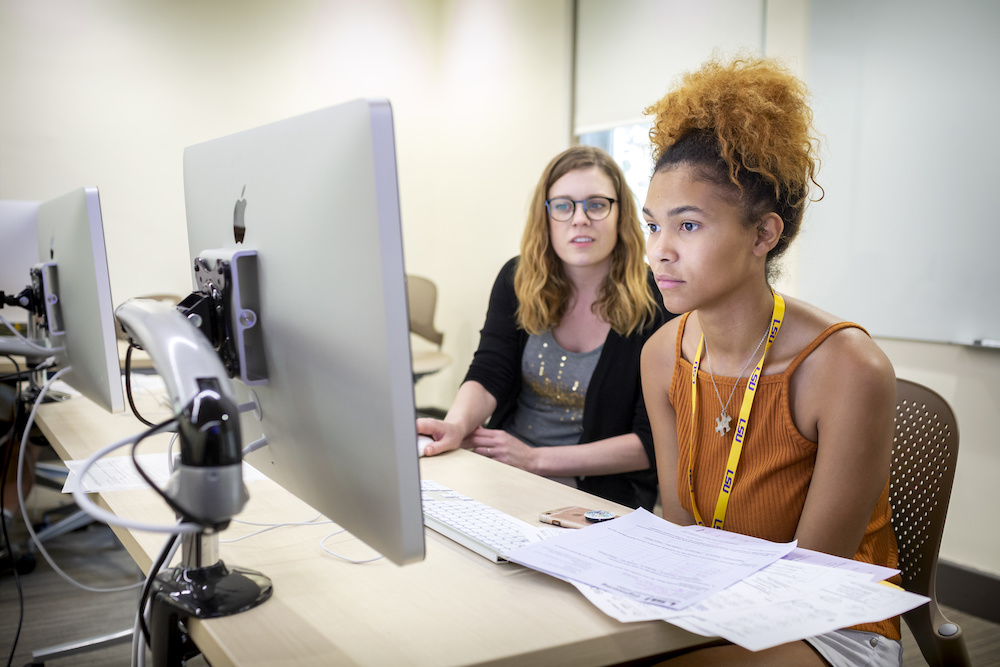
<point x="567" y="517"/>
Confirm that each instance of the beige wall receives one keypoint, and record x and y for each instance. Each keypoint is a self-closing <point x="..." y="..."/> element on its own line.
<point x="110" y="92"/>
<point x="968" y="378"/>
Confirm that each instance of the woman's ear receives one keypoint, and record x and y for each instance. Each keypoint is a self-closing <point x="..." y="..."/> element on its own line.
<point x="769" y="229"/>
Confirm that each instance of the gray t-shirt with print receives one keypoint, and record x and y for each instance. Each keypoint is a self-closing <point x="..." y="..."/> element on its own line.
<point x="554" y="386"/>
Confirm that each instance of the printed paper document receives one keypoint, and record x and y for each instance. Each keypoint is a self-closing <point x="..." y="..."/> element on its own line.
<point x="650" y="560"/>
<point x="794" y="595"/>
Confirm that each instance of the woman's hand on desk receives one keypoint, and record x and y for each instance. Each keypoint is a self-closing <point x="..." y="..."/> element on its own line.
<point x="471" y="407"/>
<point x="491" y="443"/>
<point x="502" y="446"/>
<point x="447" y="436"/>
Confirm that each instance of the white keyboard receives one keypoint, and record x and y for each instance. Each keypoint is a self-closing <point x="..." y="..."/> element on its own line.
<point x="475" y="525"/>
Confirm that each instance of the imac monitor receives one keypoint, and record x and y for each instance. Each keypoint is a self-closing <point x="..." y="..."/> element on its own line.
<point x="18" y="253"/>
<point x="71" y="235"/>
<point x="316" y="197"/>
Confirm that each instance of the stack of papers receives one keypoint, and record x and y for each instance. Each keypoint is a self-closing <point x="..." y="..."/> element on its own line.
<point x="751" y="592"/>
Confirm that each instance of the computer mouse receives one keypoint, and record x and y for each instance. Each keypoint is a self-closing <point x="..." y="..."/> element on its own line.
<point x="422" y="442"/>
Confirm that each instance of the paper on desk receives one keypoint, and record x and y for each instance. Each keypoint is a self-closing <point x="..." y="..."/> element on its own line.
<point x="779" y="581"/>
<point x="117" y="473"/>
<point x="784" y="602"/>
<point x="835" y="606"/>
<point x="875" y="572"/>
<point x="61" y="387"/>
<point x="651" y="560"/>
<point x="150" y="392"/>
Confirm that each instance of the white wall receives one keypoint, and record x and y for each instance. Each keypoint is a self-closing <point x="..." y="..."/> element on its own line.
<point x="969" y="379"/>
<point x="630" y="52"/>
<point x="501" y="115"/>
<point x="110" y="92"/>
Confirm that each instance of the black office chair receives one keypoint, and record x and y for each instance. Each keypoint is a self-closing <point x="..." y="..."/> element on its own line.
<point x="924" y="453"/>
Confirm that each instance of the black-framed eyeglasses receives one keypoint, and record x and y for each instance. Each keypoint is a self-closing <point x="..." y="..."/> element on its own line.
<point x="562" y="209"/>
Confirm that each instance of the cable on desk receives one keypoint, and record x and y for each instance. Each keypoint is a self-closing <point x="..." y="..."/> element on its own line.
<point x="17" y="401"/>
<point x="3" y="514"/>
<point x="184" y="513"/>
<point x="33" y="345"/>
<point x="255" y="445"/>
<point x="26" y="374"/>
<point x="24" y="510"/>
<point x="128" y="386"/>
<point x="89" y="506"/>
<point x="166" y="553"/>
<point x="322" y="545"/>
<point x="271" y="526"/>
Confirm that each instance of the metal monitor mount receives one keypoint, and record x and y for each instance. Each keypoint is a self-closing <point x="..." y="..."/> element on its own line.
<point x="196" y="347"/>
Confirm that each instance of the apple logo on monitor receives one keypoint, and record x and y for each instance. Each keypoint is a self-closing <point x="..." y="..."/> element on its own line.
<point x="239" y="226"/>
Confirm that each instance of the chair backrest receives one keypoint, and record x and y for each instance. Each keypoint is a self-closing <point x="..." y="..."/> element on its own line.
<point x="925" y="450"/>
<point x="422" y="296"/>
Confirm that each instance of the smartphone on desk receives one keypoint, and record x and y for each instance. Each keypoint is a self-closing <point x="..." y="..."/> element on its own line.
<point x="574" y="517"/>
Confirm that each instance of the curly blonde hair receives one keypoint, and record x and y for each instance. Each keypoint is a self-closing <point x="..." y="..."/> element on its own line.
<point x="540" y="283"/>
<point x="745" y="125"/>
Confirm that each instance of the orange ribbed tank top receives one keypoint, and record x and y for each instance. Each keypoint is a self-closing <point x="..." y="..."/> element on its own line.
<point x="775" y="468"/>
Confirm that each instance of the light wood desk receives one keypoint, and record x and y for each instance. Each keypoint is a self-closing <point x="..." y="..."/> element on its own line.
<point x="453" y="608"/>
<point x="140" y="360"/>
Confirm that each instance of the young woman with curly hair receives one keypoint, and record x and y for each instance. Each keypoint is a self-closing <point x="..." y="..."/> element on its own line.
<point x="557" y="368"/>
<point x="770" y="417"/>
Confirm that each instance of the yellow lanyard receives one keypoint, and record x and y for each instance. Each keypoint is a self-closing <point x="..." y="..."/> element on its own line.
<point x="741" y="426"/>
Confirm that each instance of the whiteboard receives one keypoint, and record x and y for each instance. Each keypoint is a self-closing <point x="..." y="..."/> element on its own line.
<point x="907" y="95"/>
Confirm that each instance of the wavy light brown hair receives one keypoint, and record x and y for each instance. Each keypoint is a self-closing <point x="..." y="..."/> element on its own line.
<point x="746" y="126"/>
<point x="540" y="282"/>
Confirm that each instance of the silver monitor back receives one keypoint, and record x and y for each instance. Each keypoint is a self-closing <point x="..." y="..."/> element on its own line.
<point x="71" y="234"/>
<point x="316" y="196"/>
<point x="18" y="252"/>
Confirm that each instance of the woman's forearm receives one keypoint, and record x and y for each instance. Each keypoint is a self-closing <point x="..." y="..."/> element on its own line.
<point x="622" y="453"/>
<point x="471" y="407"/>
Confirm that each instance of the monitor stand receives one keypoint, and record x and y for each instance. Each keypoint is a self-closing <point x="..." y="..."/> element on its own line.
<point x="195" y="589"/>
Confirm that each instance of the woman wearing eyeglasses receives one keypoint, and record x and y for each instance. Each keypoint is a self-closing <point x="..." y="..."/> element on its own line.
<point x="557" y="369"/>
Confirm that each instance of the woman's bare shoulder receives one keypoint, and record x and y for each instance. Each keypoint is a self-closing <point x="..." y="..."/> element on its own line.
<point x="847" y="357"/>
<point x="661" y="345"/>
<point x="846" y="375"/>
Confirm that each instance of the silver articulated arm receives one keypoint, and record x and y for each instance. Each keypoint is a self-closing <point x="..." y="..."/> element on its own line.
<point x="207" y="485"/>
<point x="208" y="482"/>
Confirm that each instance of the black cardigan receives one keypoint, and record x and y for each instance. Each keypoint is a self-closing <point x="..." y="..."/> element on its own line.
<point x="613" y="405"/>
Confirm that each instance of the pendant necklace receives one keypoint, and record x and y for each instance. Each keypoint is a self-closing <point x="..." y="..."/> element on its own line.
<point x="736" y="449"/>
<point x="722" y="422"/>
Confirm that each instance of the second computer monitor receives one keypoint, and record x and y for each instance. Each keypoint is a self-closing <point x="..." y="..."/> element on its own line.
<point x="316" y="197"/>
<point x="18" y="252"/>
<point x="64" y="239"/>
<point x="71" y="235"/>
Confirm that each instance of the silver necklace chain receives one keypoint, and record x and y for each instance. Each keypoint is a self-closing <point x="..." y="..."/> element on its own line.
<point x="722" y="422"/>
